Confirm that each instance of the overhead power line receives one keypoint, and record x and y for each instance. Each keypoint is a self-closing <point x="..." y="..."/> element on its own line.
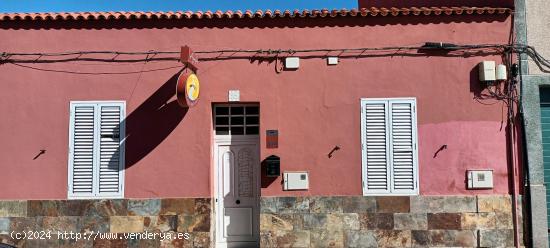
<point x="429" y="49"/>
<point x="427" y="46"/>
<point x="96" y="73"/>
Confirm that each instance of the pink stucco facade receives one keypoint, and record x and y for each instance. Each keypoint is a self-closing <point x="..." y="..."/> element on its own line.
<point x="169" y="152"/>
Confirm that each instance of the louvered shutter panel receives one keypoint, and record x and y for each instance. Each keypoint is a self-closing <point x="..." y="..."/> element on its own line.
<point x="82" y="153"/>
<point x="375" y="147"/>
<point x="96" y="159"/>
<point x="403" y="146"/>
<point x="109" y="149"/>
<point x="388" y="134"/>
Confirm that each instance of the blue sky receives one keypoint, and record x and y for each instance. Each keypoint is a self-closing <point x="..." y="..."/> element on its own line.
<point x="9" y="6"/>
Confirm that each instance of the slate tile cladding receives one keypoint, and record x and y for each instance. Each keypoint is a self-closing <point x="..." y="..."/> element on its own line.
<point x="174" y="215"/>
<point x="387" y="221"/>
<point x="338" y="221"/>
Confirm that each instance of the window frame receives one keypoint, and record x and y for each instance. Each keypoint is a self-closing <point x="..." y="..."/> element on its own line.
<point x="122" y="134"/>
<point x="390" y="191"/>
<point x="229" y="125"/>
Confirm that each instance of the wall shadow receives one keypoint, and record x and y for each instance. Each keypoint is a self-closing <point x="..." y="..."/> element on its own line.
<point x="150" y="123"/>
<point x="476" y="86"/>
<point x="265" y="180"/>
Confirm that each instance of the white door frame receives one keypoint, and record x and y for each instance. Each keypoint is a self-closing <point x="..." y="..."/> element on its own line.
<point x="233" y="140"/>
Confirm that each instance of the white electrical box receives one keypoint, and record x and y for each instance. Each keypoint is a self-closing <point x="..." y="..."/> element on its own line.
<point x="292" y="62"/>
<point x="487" y="71"/>
<point x="480" y="179"/>
<point x="502" y="73"/>
<point x="296" y="180"/>
<point x="332" y="60"/>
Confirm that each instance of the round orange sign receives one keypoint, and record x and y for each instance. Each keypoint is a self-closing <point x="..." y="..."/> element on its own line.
<point x="187" y="89"/>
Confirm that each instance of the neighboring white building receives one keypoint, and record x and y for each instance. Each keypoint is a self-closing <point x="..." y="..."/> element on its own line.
<point x="538" y="30"/>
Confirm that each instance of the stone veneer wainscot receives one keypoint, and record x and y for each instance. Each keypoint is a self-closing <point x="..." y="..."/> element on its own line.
<point x="394" y="221"/>
<point x="191" y="215"/>
<point x="338" y="221"/>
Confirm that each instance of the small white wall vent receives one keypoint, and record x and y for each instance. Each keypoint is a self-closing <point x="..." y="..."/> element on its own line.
<point x="332" y="60"/>
<point x="487" y="71"/>
<point x="234" y="95"/>
<point x="480" y="179"/>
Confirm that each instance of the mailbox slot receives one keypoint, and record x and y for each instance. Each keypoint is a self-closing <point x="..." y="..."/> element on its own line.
<point x="273" y="166"/>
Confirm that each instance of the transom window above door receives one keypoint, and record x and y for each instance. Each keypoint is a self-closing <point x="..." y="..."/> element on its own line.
<point x="236" y="119"/>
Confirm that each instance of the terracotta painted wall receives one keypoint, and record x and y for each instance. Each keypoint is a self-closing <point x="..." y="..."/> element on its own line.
<point x="314" y="108"/>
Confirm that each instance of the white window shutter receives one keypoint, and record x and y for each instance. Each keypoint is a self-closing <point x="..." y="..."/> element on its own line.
<point x="403" y="156"/>
<point x="110" y="164"/>
<point x="389" y="150"/>
<point x="96" y="150"/>
<point x="81" y="152"/>
<point x="375" y="147"/>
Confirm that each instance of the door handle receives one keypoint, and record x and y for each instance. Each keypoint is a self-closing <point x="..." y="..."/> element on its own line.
<point x="238" y="202"/>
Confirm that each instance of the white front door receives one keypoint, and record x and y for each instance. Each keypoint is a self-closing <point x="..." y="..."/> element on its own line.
<point x="237" y="192"/>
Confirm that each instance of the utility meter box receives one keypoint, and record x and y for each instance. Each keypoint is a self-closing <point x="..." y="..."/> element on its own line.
<point x="487" y="71"/>
<point x="273" y="166"/>
<point x="480" y="179"/>
<point x="296" y="180"/>
<point x="332" y="60"/>
<point x="502" y="72"/>
<point x="292" y="63"/>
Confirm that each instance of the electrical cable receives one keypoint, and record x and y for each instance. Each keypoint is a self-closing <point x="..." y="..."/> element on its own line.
<point x="96" y="73"/>
<point x="272" y="51"/>
<point x="152" y="55"/>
